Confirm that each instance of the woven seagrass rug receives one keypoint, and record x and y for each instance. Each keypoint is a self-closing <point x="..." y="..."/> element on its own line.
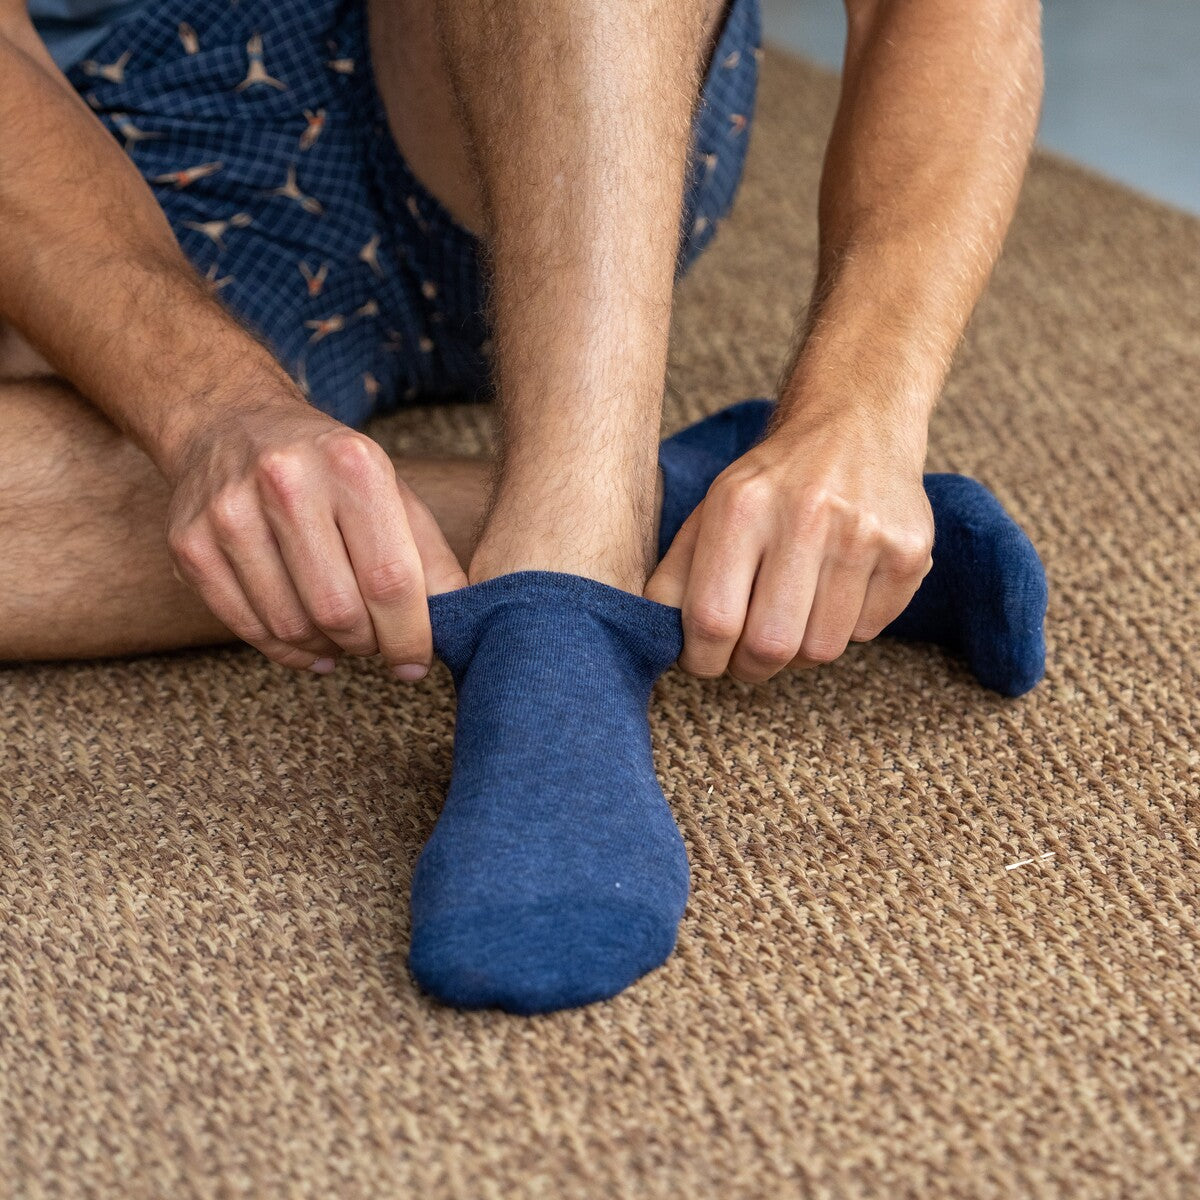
<point x="939" y="945"/>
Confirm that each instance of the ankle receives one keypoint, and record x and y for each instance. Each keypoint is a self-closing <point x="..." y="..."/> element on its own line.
<point x="620" y="562"/>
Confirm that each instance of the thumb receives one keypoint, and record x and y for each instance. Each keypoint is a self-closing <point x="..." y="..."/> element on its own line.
<point x="669" y="582"/>
<point x="443" y="571"/>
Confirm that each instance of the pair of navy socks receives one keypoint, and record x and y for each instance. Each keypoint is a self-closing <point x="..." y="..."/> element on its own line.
<point x="556" y="875"/>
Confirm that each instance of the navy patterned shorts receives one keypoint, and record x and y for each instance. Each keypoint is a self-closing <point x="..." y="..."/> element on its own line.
<point x="258" y="125"/>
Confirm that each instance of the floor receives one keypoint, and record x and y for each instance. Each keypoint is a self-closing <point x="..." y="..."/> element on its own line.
<point x="1122" y="85"/>
<point x="939" y="944"/>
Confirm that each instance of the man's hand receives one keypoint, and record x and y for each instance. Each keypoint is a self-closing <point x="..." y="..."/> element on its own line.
<point x="817" y="537"/>
<point x="299" y="537"/>
<point x="294" y="529"/>
<point x="822" y="533"/>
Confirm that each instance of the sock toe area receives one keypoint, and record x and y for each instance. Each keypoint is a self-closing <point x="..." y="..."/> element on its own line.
<point x="1006" y="643"/>
<point x="538" y="958"/>
<point x="987" y="595"/>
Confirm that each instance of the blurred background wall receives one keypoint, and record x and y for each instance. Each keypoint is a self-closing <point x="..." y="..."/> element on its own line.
<point x="1122" y="83"/>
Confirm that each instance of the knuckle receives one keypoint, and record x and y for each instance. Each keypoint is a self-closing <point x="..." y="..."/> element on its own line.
<point x="191" y="549"/>
<point x="710" y="624"/>
<point x="912" y="554"/>
<point x="740" y="498"/>
<point x="338" y="612"/>
<point x="865" y="530"/>
<point x="282" y="473"/>
<point x="813" y="505"/>
<point x="771" y="650"/>
<point x="230" y="514"/>
<point x="390" y="583"/>
<point x="252" y="631"/>
<point x="860" y="540"/>
<point x="293" y="629"/>
<point x="353" y="456"/>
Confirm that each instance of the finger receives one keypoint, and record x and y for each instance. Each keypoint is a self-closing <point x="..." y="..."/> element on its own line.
<point x="311" y="546"/>
<point x="668" y="584"/>
<point x="837" y="603"/>
<point x="718" y="590"/>
<point x="888" y="595"/>
<point x="204" y="567"/>
<point x="387" y="566"/>
<point x="443" y="572"/>
<point x="779" y="611"/>
<point x="267" y="582"/>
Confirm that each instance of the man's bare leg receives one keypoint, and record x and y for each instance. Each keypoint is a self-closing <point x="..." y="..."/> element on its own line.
<point x="556" y="875"/>
<point x="567" y="150"/>
<point x="84" y="568"/>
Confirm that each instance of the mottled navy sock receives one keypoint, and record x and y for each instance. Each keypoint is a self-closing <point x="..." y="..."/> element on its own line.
<point x="985" y="597"/>
<point x="556" y="875"/>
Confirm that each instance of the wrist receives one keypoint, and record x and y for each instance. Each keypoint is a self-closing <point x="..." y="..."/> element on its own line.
<point x="178" y="427"/>
<point x="858" y="420"/>
<point x="868" y="387"/>
<point x="865" y="371"/>
<point x="177" y="365"/>
<point x="880" y="337"/>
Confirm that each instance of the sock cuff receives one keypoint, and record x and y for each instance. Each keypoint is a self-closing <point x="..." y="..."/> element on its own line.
<point x="651" y="632"/>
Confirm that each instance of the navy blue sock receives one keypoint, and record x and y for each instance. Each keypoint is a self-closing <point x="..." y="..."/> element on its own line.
<point x="985" y="597"/>
<point x="556" y="875"/>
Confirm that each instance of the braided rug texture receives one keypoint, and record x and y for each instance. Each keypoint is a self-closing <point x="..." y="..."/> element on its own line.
<point x="204" y="860"/>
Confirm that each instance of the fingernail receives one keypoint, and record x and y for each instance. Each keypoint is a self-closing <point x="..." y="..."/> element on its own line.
<point x="410" y="672"/>
<point x="323" y="666"/>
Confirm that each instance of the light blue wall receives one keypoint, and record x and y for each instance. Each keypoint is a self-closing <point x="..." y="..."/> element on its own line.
<point x="1122" y="83"/>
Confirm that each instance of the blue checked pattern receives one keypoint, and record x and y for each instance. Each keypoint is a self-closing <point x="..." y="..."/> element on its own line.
<point x="258" y="125"/>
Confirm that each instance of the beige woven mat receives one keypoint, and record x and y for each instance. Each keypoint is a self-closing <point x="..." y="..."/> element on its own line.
<point x="205" y="861"/>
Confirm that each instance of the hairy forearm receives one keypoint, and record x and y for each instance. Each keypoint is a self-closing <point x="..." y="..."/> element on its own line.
<point x="93" y="277"/>
<point x="937" y="115"/>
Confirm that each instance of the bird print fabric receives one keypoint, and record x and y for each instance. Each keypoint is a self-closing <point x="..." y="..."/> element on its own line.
<point x="258" y="125"/>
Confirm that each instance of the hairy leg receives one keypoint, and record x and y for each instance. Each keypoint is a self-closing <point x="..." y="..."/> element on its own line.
<point x="554" y="876"/>
<point x="84" y="569"/>
<point x="560" y="132"/>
